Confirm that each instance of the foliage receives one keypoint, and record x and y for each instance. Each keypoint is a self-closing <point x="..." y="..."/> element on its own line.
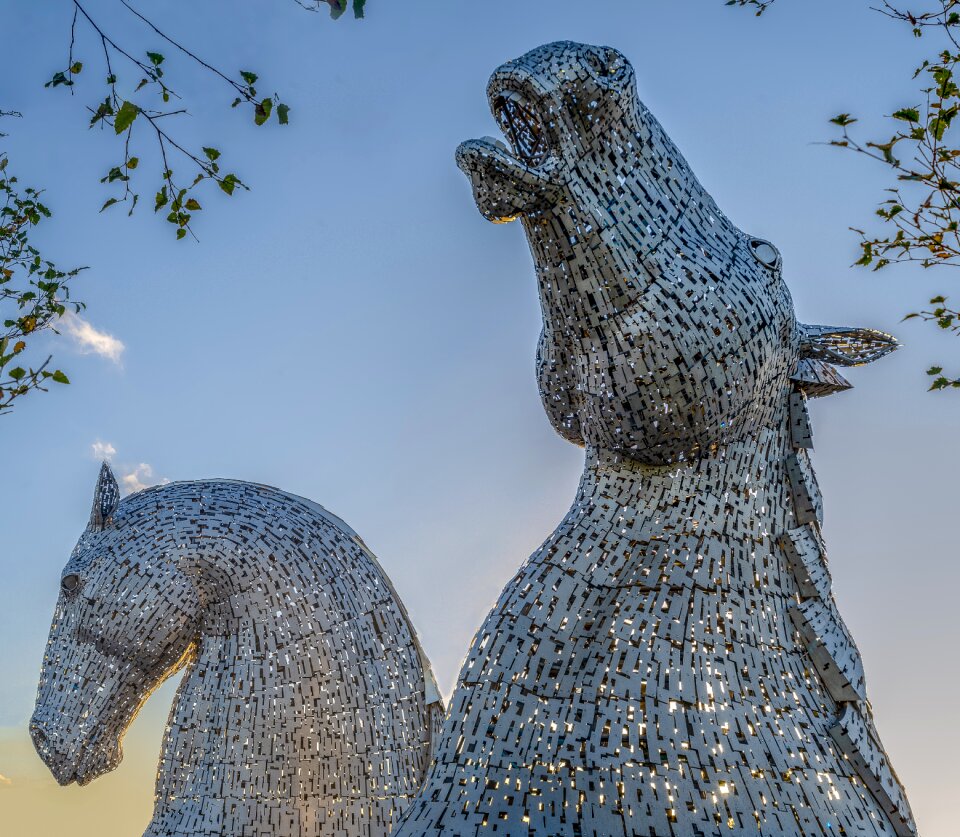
<point x="337" y="7"/>
<point x="949" y="320"/>
<point x="759" y="5"/>
<point x="138" y="101"/>
<point x="922" y="209"/>
<point x="921" y="213"/>
<point x="34" y="293"/>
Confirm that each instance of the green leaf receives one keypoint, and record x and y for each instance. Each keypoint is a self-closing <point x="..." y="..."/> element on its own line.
<point x="125" y="116"/>
<point x="181" y="233"/>
<point x="193" y="205"/>
<point x="229" y="183"/>
<point x="886" y="148"/>
<point x="262" y="112"/>
<point x="843" y="119"/>
<point x="76" y="67"/>
<point x="358" y="8"/>
<point x="283" y="112"/>
<point x="17" y="373"/>
<point x="114" y="174"/>
<point x="907" y="114"/>
<point x="248" y="77"/>
<point x="60" y="378"/>
<point x="938" y="125"/>
<point x="58" y="79"/>
<point x="162" y="199"/>
<point x="935" y="370"/>
<point x="103" y="109"/>
<point x="212" y="153"/>
<point x="107" y="203"/>
<point x="133" y="162"/>
<point x="155" y="58"/>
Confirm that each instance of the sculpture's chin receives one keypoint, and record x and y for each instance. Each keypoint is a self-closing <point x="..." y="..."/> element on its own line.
<point x="64" y="774"/>
<point x="91" y="763"/>
<point x="675" y="445"/>
<point x="653" y="456"/>
<point x="505" y="188"/>
<point x="86" y="778"/>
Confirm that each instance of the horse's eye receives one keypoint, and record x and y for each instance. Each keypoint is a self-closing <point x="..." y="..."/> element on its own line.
<point x="765" y="252"/>
<point x="70" y="583"/>
<point x="605" y="63"/>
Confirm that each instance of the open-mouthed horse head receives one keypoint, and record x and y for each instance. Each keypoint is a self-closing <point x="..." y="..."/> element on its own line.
<point x="667" y="330"/>
<point x="125" y="620"/>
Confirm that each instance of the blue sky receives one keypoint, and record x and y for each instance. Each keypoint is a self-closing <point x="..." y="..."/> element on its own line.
<point x="353" y="331"/>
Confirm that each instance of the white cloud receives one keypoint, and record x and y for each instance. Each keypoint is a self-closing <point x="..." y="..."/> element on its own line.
<point x="89" y="339"/>
<point x="139" y="478"/>
<point x="103" y="450"/>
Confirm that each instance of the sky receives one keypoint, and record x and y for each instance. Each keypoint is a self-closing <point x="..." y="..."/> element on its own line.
<point x="351" y="330"/>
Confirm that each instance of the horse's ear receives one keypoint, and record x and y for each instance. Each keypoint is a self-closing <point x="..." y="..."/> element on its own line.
<point x="843" y="345"/>
<point x="106" y="498"/>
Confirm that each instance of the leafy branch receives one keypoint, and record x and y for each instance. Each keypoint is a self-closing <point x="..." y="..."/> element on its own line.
<point x="949" y="320"/>
<point x="922" y="208"/>
<point x="337" y="7"/>
<point x="34" y="293"/>
<point x="760" y="5"/>
<point x="943" y="16"/>
<point x="138" y="101"/>
<point x="921" y="213"/>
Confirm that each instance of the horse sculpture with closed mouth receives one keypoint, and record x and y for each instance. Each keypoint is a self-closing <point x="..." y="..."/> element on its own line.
<point x="307" y="707"/>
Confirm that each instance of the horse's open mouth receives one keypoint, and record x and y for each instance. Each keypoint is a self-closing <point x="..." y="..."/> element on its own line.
<point x="522" y="127"/>
<point x="512" y="181"/>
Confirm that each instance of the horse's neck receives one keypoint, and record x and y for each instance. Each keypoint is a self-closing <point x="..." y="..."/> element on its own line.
<point x="721" y="504"/>
<point x="236" y="711"/>
<point x="244" y="718"/>
<point x="304" y="703"/>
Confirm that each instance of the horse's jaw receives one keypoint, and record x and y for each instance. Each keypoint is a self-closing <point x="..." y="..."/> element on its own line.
<point x="93" y="746"/>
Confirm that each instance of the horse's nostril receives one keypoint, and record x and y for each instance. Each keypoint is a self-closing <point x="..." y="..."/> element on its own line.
<point x="70" y="583"/>
<point x="39" y="736"/>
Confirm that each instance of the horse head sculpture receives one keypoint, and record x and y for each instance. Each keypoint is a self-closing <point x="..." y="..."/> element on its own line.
<point x="671" y="660"/>
<point x="126" y="619"/>
<point x="667" y="331"/>
<point x="308" y="706"/>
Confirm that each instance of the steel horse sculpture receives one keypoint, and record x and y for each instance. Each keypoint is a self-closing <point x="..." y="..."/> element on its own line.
<point x="670" y="661"/>
<point x="307" y="708"/>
